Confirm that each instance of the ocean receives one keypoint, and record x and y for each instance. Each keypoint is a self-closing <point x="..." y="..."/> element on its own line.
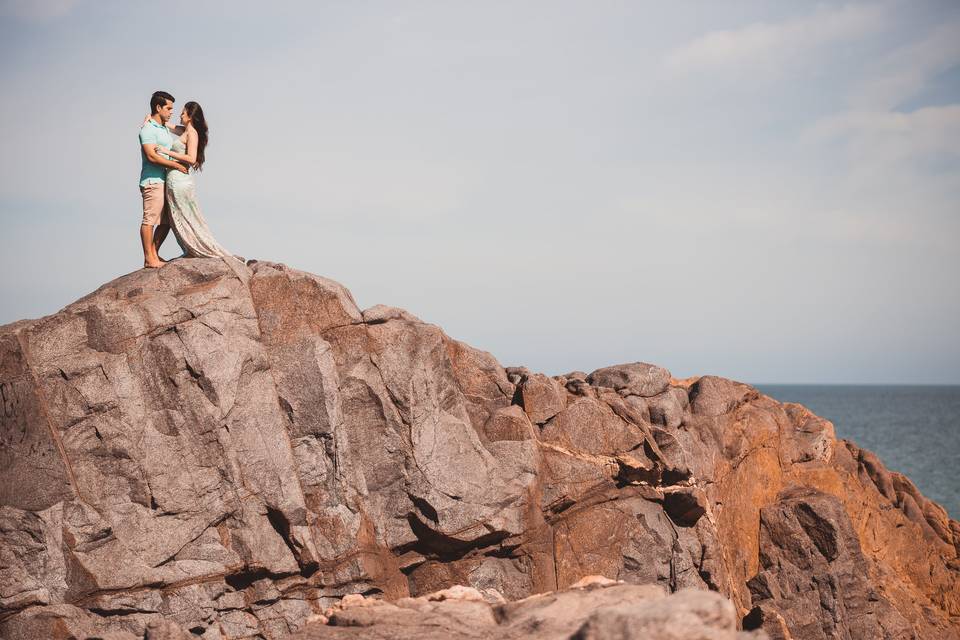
<point x="914" y="429"/>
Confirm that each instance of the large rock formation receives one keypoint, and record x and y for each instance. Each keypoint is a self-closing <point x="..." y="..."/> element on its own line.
<point x="228" y="451"/>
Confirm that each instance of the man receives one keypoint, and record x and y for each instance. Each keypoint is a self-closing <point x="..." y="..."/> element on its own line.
<point x="154" y="138"/>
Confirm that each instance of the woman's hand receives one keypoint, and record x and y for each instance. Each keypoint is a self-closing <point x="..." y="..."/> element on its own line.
<point x="182" y="168"/>
<point x="145" y="120"/>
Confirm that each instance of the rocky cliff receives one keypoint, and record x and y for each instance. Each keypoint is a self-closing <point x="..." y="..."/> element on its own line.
<point x="227" y="451"/>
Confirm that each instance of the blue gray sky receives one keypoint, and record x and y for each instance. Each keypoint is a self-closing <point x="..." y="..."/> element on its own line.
<point x="768" y="191"/>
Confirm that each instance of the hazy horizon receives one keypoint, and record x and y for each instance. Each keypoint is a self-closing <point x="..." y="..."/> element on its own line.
<point x="763" y="191"/>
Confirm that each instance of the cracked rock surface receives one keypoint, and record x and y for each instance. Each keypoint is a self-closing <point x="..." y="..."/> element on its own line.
<point x="219" y="451"/>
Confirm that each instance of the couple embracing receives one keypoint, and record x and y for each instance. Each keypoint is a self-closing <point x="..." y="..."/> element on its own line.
<point x="169" y="153"/>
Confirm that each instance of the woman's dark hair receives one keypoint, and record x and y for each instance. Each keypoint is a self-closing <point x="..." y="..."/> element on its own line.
<point x="199" y="123"/>
<point x="158" y="99"/>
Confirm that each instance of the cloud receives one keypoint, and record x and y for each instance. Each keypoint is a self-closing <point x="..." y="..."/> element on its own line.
<point x="36" y="10"/>
<point x="897" y="164"/>
<point x="904" y="71"/>
<point x="889" y="147"/>
<point x="768" y="44"/>
<point x="875" y="136"/>
<point x="927" y="130"/>
<point x="900" y="171"/>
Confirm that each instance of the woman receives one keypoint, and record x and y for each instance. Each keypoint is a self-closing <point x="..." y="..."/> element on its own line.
<point x="185" y="218"/>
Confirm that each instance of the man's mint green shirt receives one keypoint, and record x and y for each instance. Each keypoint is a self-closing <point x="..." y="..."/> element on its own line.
<point x="153" y="133"/>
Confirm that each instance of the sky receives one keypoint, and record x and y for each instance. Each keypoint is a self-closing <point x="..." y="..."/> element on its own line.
<point x="767" y="191"/>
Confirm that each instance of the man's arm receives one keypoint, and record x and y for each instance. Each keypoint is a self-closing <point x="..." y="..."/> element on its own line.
<point x="150" y="150"/>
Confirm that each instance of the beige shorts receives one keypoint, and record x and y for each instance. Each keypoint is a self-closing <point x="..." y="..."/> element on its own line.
<point x="155" y="209"/>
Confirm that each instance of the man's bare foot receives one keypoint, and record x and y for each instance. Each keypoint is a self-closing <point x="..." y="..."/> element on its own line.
<point x="152" y="265"/>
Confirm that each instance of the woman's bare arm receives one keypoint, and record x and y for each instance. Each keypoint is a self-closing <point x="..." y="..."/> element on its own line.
<point x="190" y="157"/>
<point x="193" y="141"/>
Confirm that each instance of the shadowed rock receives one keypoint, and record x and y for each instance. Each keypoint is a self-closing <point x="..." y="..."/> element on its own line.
<point x="811" y="562"/>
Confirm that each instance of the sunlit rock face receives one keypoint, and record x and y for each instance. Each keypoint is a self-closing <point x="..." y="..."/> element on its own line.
<point x="229" y="450"/>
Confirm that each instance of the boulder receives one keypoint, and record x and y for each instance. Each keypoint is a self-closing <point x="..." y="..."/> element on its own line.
<point x="542" y="397"/>
<point x="637" y="378"/>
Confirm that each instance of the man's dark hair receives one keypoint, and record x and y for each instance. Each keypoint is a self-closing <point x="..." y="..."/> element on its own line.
<point x="158" y="99"/>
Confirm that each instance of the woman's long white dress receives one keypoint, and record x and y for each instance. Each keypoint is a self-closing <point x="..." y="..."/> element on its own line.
<point x="187" y="222"/>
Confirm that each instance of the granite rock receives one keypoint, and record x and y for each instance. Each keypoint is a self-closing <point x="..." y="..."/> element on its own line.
<point x="233" y="451"/>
